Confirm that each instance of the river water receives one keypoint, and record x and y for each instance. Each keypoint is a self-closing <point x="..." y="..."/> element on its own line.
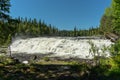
<point x="64" y="47"/>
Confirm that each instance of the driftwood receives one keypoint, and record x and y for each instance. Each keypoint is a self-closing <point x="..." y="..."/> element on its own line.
<point x="113" y="37"/>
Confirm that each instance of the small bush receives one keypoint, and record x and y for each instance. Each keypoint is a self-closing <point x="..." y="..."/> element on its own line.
<point x="46" y="59"/>
<point x="115" y="48"/>
<point x="6" y="60"/>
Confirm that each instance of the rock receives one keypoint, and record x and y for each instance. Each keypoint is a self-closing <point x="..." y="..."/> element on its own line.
<point x="25" y="62"/>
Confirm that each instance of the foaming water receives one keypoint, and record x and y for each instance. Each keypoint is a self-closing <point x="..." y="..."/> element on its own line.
<point x="65" y="47"/>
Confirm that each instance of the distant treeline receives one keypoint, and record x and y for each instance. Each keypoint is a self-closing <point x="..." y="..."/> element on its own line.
<point x="34" y="28"/>
<point x="9" y="27"/>
<point x="24" y="26"/>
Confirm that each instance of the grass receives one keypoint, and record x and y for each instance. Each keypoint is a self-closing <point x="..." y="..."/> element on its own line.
<point x="53" y="62"/>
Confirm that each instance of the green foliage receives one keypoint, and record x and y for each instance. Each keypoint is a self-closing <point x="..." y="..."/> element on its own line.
<point x="76" y="32"/>
<point x="8" y="41"/>
<point x="46" y="59"/>
<point x="115" y="51"/>
<point x="74" y="63"/>
<point x="115" y="60"/>
<point x="115" y="48"/>
<point x="110" y="21"/>
<point x="4" y="9"/>
<point x="34" y="28"/>
<point x="6" y="60"/>
<point x="28" y="27"/>
<point x="106" y="23"/>
<point x="5" y="27"/>
<point x="94" y="49"/>
<point x="6" y="32"/>
<point x="116" y="12"/>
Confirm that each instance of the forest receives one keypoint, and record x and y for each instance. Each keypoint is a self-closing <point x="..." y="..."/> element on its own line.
<point x="107" y="69"/>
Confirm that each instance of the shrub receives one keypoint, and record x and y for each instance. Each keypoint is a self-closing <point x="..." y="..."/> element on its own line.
<point x="6" y="60"/>
<point x="115" y="48"/>
<point x="46" y="59"/>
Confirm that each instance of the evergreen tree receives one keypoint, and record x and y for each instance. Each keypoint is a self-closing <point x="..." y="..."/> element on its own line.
<point x="106" y="23"/>
<point x="4" y="9"/>
<point x="116" y="15"/>
<point x="110" y="22"/>
<point x="75" y="31"/>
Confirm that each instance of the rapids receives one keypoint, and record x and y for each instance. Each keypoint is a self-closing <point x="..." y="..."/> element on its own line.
<point x="64" y="47"/>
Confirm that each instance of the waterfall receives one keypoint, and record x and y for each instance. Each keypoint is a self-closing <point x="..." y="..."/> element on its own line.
<point x="60" y="46"/>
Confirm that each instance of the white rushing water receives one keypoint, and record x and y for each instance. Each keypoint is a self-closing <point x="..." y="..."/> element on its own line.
<point x="61" y="47"/>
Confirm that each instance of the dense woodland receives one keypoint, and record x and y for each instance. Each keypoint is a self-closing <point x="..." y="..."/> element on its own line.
<point x="33" y="28"/>
<point x="110" y="21"/>
<point x="108" y="69"/>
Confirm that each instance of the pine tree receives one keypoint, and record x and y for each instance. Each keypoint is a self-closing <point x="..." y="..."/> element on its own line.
<point x="75" y="31"/>
<point x="4" y="9"/>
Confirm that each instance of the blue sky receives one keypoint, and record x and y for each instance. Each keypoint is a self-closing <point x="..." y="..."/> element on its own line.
<point x="64" y="14"/>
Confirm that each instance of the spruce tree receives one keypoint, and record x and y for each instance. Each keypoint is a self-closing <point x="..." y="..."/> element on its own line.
<point x="4" y="9"/>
